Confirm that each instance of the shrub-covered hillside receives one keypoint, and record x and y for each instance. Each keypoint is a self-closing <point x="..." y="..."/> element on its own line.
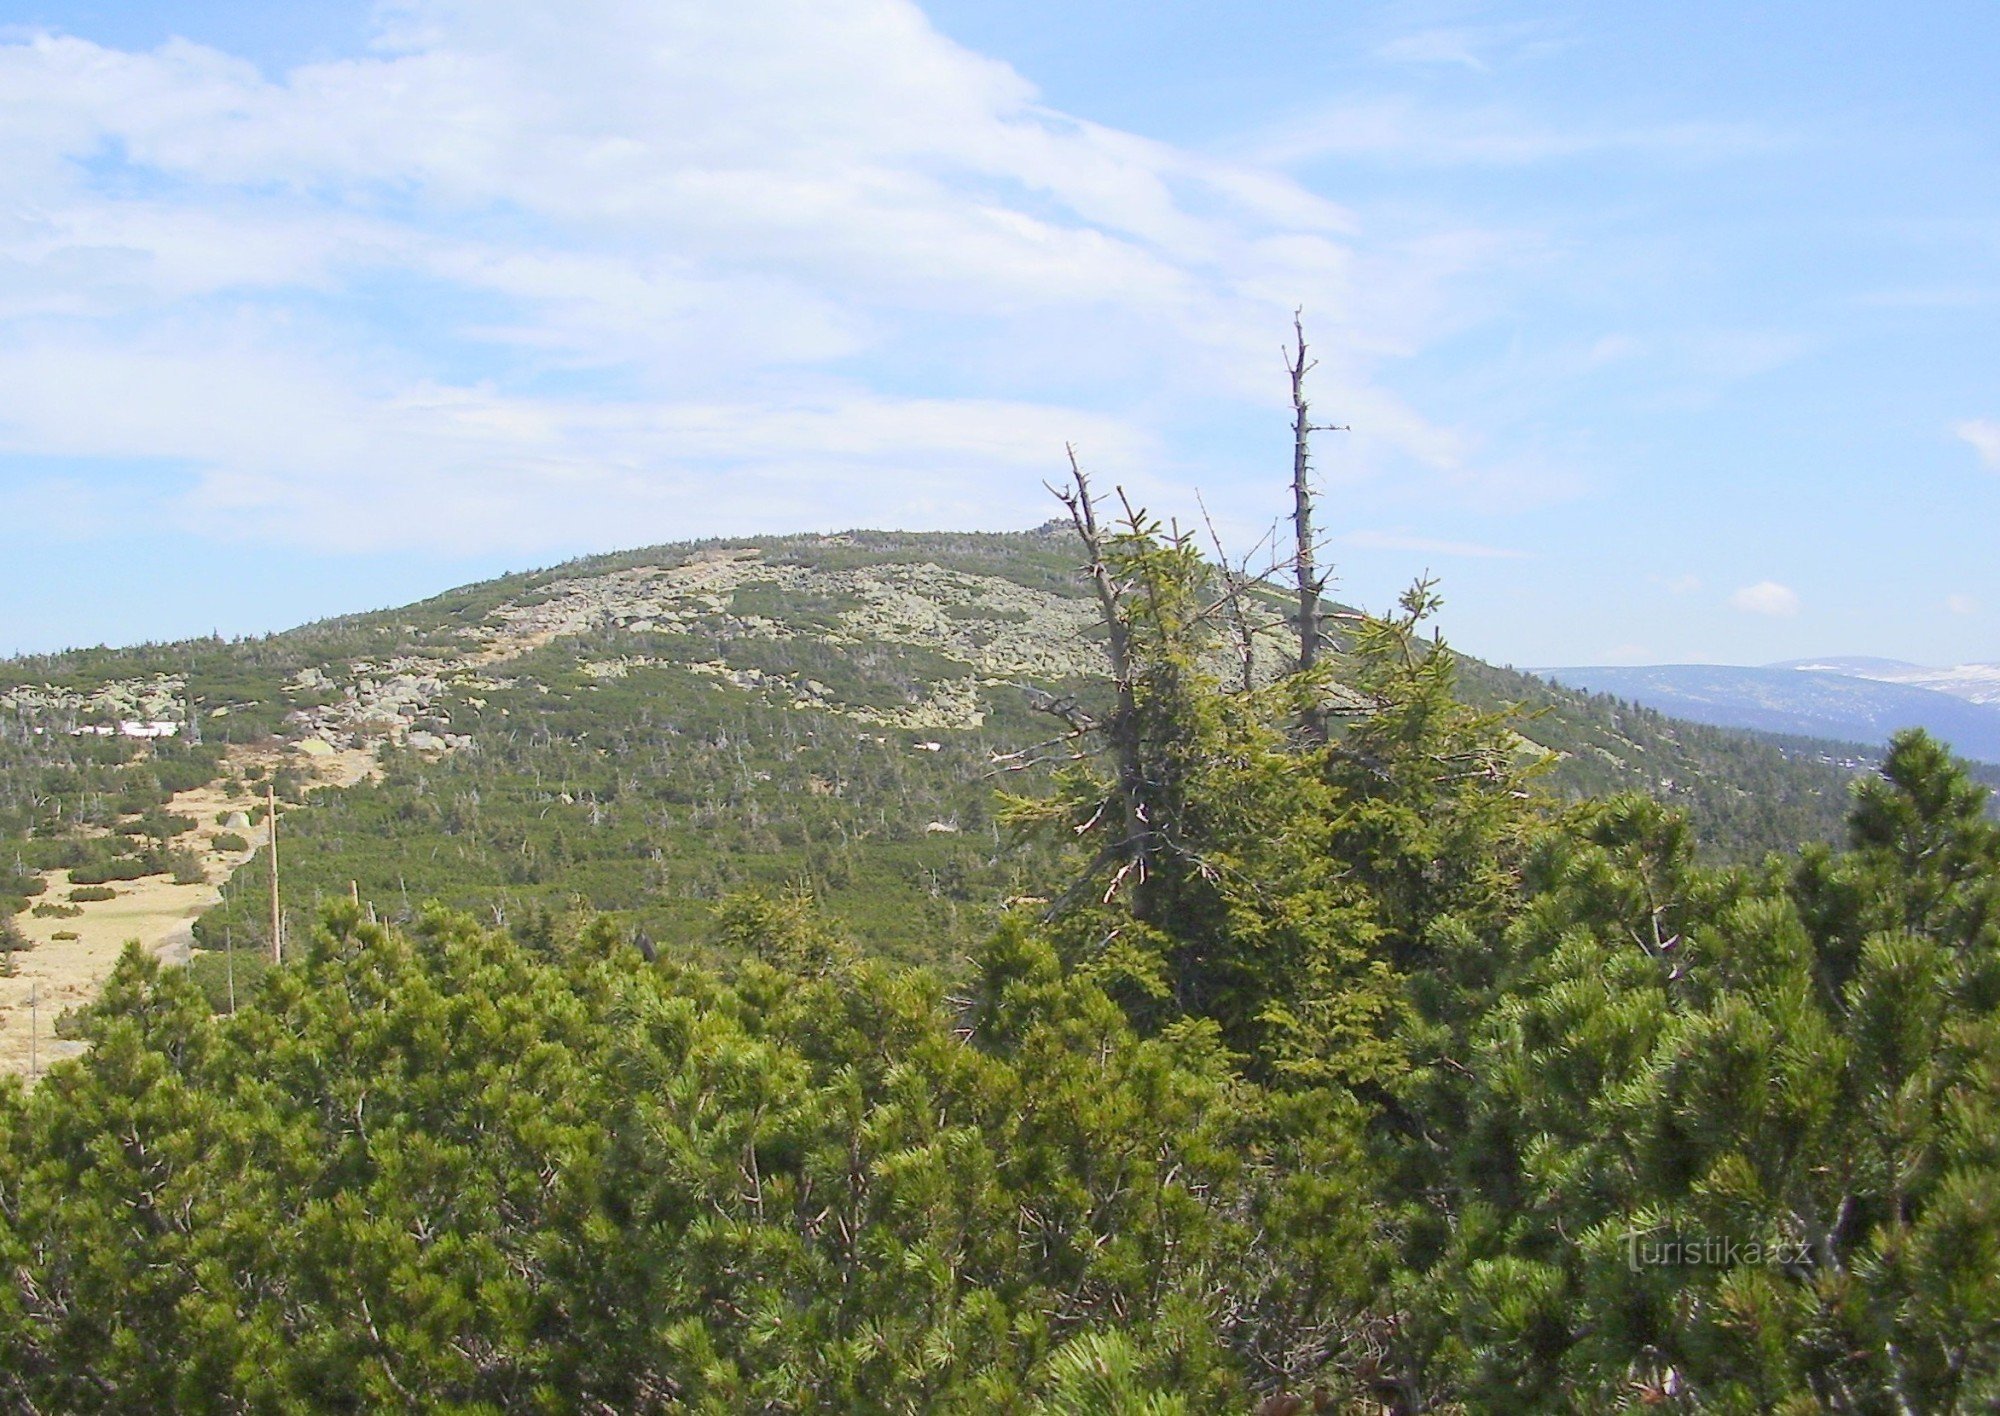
<point x="644" y="733"/>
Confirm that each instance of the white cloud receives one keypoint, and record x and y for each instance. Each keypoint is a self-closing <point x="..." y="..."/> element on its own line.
<point x="1961" y="604"/>
<point x="1767" y="597"/>
<point x="1983" y="435"/>
<point x="525" y="277"/>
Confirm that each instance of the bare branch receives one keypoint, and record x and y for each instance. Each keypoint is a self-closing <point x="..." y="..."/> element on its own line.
<point x="1232" y="596"/>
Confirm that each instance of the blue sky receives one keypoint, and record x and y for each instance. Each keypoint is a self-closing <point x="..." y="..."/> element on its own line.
<point x="1666" y="333"/>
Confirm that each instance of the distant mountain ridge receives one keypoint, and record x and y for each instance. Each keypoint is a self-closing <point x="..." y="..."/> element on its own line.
<point x="1851" y="699"/>
<point x="1976" y="683"/>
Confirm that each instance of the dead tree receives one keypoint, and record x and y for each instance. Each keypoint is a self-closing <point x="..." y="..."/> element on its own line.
<point x="1134" y="849"/>
<point x="1312" y="585"/>
<point x="1145" y="833"/>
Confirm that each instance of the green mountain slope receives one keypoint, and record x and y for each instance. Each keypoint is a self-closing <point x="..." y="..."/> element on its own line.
<point x="648" y="731"/>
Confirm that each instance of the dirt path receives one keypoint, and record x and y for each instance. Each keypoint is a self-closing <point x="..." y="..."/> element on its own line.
<point x="60" y="974"/>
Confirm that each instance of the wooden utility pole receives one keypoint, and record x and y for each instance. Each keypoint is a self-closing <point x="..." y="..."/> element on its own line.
<point x="1311" y="583"/>
<point x="277" y="918"/>
<point x="34" y="1030"/>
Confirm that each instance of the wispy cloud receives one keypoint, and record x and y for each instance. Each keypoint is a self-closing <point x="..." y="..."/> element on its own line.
<point x="365" y="464"/>
<point x="1733" y="354"/>
<point x="1961" y="604"/>
<point x="1767" y="597"/>
<point x="1405" y="131"/>
<point x="1983" y="436"/>
<point x="1426" y="545"/>
<point x="1479" y="48"/>
<point x="1460" y="47"/>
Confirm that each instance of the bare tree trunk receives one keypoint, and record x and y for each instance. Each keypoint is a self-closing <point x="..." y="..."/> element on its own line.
<point x="1122" y="729"/>
<point x="1311" y="626"/>
<point x="1302" y="502"/>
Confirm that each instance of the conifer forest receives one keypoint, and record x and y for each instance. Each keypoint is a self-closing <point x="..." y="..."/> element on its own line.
<point x="1258" y="1030"/>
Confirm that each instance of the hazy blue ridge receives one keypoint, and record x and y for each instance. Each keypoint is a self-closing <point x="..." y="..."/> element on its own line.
<point x="1783" y="700"/>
